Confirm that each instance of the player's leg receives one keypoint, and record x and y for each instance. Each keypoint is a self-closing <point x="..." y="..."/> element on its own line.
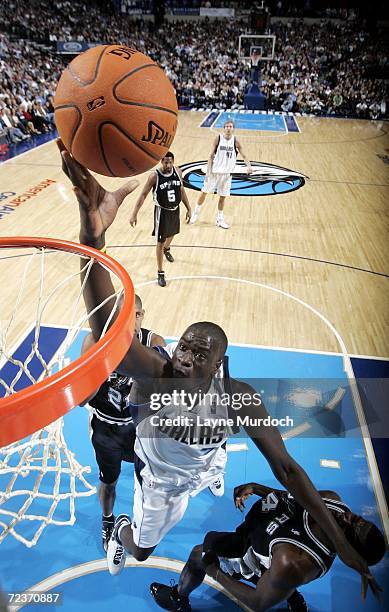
<point x="223" y="189"/>
<point x="215" y="543"/>
<point x="158" y="232"/>
<point x="156" y="510"/>
<point x="171" y="228"/>
<point x="108" y="457"/>
<point x="161" y="274"/>
<point x="177" y="597"/>
<point x="208" y="187"/>
<point x="166" y="249"/>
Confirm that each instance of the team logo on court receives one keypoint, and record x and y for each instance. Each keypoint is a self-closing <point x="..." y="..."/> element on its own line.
<point x="265" y="179"/>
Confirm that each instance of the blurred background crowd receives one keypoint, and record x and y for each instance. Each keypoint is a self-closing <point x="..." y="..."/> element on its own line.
<point x="328" y="61"/>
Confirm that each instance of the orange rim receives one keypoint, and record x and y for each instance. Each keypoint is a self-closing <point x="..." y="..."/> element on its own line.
<point x="36" y="406"/>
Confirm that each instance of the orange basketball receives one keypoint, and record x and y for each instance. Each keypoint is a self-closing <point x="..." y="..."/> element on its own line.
<point x="115" y="110"/>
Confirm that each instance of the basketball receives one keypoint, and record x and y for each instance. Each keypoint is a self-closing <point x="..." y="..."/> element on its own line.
<point x="115" y="110"/>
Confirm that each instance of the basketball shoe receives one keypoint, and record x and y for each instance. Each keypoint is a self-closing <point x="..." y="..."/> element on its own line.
<point x="106" y="531"/>
<point x="168" y="255"/>
<point x="161" y="279"/>
<point x="220" y="222"/>
<point x="116" y="554"/>
<point x="168" y="598"/>
<point x="297" y="603"/>
<point x="217" y="487"/>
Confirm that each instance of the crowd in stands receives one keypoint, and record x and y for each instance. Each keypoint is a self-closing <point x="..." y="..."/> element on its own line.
<point x="324" y="68"/>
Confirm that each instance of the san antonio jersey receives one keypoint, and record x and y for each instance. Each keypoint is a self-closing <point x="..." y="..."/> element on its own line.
<point x="110" y="404"/>
<point x="274" y="519"/>
<point x="167" y="191"/>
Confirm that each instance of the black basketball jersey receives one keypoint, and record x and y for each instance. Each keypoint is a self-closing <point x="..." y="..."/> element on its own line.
<point x="279" y="518"/>
<point x="110" y="404"/>
<point x="167" y="191"/>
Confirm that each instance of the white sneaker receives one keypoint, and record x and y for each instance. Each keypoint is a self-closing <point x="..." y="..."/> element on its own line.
<point x="217" y="487"/>
<point x="222" y="223"/>
<point x="116" y="554"/>
<point x="194" y="217"/>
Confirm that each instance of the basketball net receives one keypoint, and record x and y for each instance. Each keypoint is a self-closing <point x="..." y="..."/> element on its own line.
<point x="39" y="474"/>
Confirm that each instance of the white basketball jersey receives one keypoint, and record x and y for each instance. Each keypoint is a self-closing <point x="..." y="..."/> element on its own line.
<point x="225" y="157"/>
<point x="186" y="446"/>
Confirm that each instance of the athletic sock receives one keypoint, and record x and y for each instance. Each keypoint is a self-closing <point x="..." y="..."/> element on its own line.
<point x="197" y="209"/>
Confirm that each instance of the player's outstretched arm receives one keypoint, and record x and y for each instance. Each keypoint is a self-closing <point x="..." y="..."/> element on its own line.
<point x="243" y="492"/>
<point x="150" y="183"/>
<point x="292" y="476"/>
<point x="98" y="209"/>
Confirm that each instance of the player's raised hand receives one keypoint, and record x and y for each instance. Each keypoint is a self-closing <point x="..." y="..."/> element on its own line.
<point x="241" y="493"/>
<point x="350" y="557"/>
<point x="98" y="207"/>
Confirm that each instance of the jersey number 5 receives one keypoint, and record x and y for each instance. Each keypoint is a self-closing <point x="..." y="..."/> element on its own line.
<point x="171" y="195"/>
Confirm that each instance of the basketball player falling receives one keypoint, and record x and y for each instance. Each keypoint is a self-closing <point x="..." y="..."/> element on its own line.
<point x="221" y="163"/>
<point x="168" y="191"/>
<point x="278" y="547"/>
<point x="172" y="463"/>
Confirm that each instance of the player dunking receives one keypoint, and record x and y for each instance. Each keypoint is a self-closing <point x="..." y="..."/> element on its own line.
<point x="221" y="163"/>
<point x="112" y="427"/>
<point x="174" y="463"/>
<point x="168" y="191"/>
<point x="278" y="547"/>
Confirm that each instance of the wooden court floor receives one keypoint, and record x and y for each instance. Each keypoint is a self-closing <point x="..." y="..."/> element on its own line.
<point x="290" y="266"/>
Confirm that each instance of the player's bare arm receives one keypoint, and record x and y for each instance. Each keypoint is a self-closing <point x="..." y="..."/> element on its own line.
<point x="184" y="198"/>
<point x="244" y="156"/>
<point x="98" y="209"/>
<point x="289" y="570"/>
<point x="292" y="476"/>
<point x="243" y="491"/>
<point x="150" y="183"/>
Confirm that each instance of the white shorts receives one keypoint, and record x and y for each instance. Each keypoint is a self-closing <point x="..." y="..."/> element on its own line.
<point x="159" y="506"/>
<point x="217" y="183"/>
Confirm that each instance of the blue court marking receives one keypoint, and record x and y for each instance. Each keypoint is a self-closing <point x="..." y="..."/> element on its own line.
<point x="256" y="122"/>
<point x="60" y="548"/>
<point x="249" y="187"/>
<point x="50" y="339"/>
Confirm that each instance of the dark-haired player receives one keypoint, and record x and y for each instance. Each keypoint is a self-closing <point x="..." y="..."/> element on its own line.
<point x="168" y="191"/>
<point x="173" y="462"/>
<point x="112" y="427"/>
<point x="279" y="547"/>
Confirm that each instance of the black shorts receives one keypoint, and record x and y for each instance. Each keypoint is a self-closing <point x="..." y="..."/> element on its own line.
<point x="224" y="544"/>
<point x="113" y="444"/>
<point x="166" y="223"/>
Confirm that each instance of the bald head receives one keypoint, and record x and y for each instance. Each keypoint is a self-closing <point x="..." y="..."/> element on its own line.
<point x="214" y="333"/>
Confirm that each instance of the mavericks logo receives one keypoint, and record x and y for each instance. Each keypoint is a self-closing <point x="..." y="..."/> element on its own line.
<point x="265" y="179"/>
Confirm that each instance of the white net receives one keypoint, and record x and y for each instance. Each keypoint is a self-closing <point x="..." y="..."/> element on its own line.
<point x="39" y="475"/>
<point x="42" y="472"/>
